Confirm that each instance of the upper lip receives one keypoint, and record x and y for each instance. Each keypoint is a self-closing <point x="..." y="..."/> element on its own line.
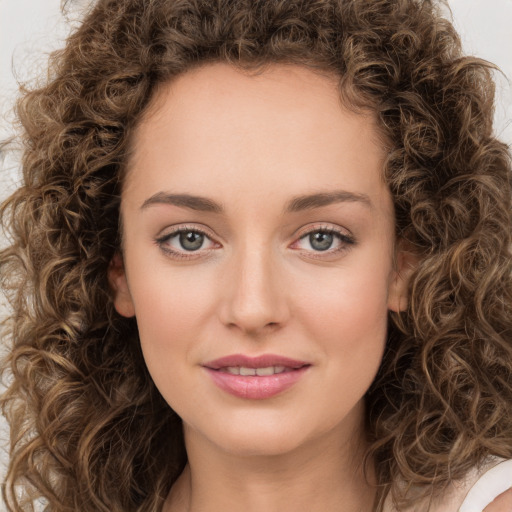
<point x="263" y="361"/>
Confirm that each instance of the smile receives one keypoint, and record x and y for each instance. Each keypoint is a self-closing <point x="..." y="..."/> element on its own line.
<point x="242" y="370"/>
<point x="255" y="378"/>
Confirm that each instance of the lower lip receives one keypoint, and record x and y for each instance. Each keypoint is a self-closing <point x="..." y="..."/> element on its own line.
<point x="256" y="387"/>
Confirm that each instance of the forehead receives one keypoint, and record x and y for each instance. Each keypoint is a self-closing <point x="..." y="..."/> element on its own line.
<point x="274" y="82"/>
<point x="221" y="127"/>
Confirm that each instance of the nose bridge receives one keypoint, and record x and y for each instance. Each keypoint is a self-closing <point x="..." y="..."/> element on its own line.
<point x="255" y="299"/>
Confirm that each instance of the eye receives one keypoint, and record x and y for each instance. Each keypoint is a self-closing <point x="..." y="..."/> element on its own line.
<point x="320" y="240"/>
<point x="181" y="241"/>
<point x="188" y="240"/>
<point x="324" y="240"/>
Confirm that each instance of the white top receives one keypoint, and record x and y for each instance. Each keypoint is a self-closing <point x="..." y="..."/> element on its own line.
<point x="489" y="486"/>
<point x="472" y="494"/>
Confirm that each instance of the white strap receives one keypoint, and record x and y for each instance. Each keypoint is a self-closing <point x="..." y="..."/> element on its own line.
<point x="490" y="485"/>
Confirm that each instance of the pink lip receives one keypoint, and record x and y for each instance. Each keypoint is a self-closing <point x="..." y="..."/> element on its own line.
<point x="256" y="387"/>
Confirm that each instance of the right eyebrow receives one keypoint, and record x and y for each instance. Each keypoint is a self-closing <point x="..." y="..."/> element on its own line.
<point x="197" y="203"/>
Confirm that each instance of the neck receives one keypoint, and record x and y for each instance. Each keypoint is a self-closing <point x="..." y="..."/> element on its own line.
<point x="323" y="475"/>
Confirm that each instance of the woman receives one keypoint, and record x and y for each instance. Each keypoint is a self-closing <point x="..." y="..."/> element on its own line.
<point x="260" y="260"/>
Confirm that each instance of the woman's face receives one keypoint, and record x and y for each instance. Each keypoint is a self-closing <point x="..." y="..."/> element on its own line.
<point x="258" y="228"/>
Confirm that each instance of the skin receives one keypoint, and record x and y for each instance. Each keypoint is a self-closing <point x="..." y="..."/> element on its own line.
<point x="257" y="285"/>
<point x="503" y="503"/>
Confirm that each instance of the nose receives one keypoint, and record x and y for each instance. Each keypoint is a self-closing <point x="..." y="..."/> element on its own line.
<point x="255" y="297"/>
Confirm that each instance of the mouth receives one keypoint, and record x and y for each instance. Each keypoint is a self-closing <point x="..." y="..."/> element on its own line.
<point x="261" y="372"/>
<point x="256" y="378"/>
<point x="263" y="363"/>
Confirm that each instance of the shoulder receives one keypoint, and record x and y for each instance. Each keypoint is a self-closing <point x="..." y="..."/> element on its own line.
<point x="503" y="503"/>
<point x="492" y="491"/>
<point x="486" y="488"/>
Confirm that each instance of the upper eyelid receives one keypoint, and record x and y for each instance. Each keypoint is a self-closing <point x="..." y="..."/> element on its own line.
<point x="173" y="231"/>
<point x="299" y="233"/>
<point x="344" y="238"/>
<point x="323" y="227"/>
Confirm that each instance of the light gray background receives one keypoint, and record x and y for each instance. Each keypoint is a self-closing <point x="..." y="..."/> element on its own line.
<point x="29" y="29"/>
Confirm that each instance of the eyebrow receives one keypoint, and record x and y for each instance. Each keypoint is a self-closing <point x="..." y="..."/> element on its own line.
<point x="197" y="203"/>
<point x="310" y="201"/>
<point x="296" y="204"/>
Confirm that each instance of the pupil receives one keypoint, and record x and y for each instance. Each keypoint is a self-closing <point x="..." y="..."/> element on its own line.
<point x="191" y="241"/>
<point x="320" y="241"/>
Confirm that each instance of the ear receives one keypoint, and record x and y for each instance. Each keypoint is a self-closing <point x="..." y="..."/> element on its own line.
<point x="118" y="283"/>
<point x="406" y="262"/>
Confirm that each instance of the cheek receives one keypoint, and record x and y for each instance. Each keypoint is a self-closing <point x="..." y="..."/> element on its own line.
<point x="171" y="303"/>
<point x="171" y="334"/>
<point x="170" y="308"/>
<point x="350" y="299"/>
<point x="347" y="316"/>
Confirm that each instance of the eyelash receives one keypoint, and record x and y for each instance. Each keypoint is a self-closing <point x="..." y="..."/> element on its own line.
<point x="183" y="255"/>
<point x="344" y="239"/>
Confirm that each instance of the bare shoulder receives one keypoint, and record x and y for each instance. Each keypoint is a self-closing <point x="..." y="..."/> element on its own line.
<point x="503" y="503"/>
<point x="485" y="488"/>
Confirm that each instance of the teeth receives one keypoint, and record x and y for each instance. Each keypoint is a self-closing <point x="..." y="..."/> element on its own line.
<point x="242" y="370"/>
<point x="265" y="371"/>
<point x="247" y="371"/>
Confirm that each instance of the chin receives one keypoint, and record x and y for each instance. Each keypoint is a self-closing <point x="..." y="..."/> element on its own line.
<point x="261" y="445"/>
<point x="261" y="437"/>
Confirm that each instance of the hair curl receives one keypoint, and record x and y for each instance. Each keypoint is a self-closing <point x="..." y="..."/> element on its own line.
<point x="88" y="426"/>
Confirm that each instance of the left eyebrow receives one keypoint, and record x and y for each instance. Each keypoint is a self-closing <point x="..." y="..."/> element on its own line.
<point x="310" y="201"/>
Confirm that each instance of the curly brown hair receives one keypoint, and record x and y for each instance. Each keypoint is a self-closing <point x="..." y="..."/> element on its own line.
<point x="88" y="427"/>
